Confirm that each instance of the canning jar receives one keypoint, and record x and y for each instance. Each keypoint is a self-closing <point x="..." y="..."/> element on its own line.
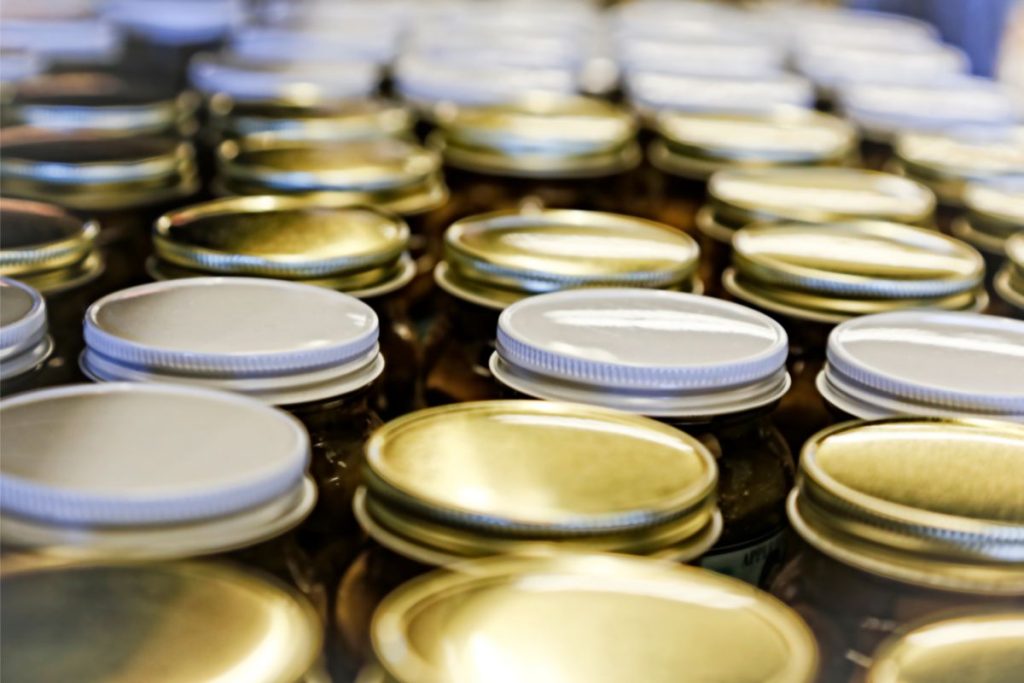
<point x="158" y="622"/>
<point x="903" y="519"/>
<point x="498" y="477"/>
<point x="971" y="645"/>
<point x="738" y="197"/>
<point x="141" y="472"/>
<point x="993" y="213"/>
<point x="711" y="368"/>
<point x="592" y="617"/>
<point x="495" y="259"/>
<point x="926" y="363"/>
<point x="1009" y="283"/>
<point x="359" y="251"/>
<point x="812" y="277"/>
<point x="25" y="342"/>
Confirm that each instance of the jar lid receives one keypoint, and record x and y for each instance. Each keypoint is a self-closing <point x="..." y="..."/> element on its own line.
<point x="513" y="475"/>
<point x="816" y="195"/>
<point x="696" y="145"/>
<point x="305" y="344"/>
<point x="326" y="39"/>
<point x="652" y="93"/>
<point x="156" y="622"/>
<point x="386" y="173"/>
<point x="834" y="271"/>
<point x="261" y="80"/>
<point x="47" y="247"/>
<point x="723" y="59"/>
<point x="830" y="65"/>
<point x="24" y="342"/>
<point x="360" y="251"/>
<point x="177" y="22"/>
<point x="963" y="364"/>
<point x="145" y="471"/>
<point x="95" y="172"/>
<point x="929" y="502"/>
<point x="995" y="212"/>
<point x="496" y="259"/>
<point x="579" y="616"/>
<point x="1009" y="283"/>
<point x="76" y="39"/>
<point x="540" y="136"/>
<point x="951" y="650"/>
<point x="664" y="354"/>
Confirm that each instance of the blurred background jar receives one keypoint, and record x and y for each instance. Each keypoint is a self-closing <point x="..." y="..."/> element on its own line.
<point x="25" y="343"/>
<point x="1009" y="282"/>
<point x="993" y="213"/>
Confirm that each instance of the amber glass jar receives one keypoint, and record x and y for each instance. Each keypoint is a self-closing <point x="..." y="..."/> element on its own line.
<point x="579" y="615"/>
<point x="359" y="251"/>
<point x="157" y="622"/>
<point x="811" y="277"/>
<point x="712" y="368"/>
<point x="903" y="519"/>
<point x="1009" y="283"/>
<point x="993" y="213"/>
<point x="25" y="343"/>
<point x="497" y="477"/>
<point x="495" y="259"/>
<point x="815" y="195"/>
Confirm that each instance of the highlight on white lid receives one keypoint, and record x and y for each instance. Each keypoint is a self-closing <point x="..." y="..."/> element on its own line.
<point x="927" y="364"/>
<point x="651" y="92"/>
<point x="148" y="471"/>
<point x="655" y="353"/>
<point x="282" y="342"/>
<point x="363" y="41"/>
<point x="713" y="59"/>
<point x="834" y="65"/>
<point x="270" y="80"/>
<point x="24" y="342"/>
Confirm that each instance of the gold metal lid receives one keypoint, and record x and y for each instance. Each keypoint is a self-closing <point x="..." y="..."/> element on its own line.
<point x="995" y="212"/>
<point x="46" y="247"/>
<point x="817" y="195"/>
<point x="695" y="145"/>
<point x="930" y="502"/>
<point x="155" y="622"/>
<point x="540" y="135"/>
<point x="496" y="259"/>
<point x="834" y="271"/>
<point x="986" y="647"/>
<point x="1009" y="282"/>
<point x="502" y="476"/>
<point x="386" y="173"/>
<point x="94" y="172"/>
<point x="358" y="250"/>
<point x="588" y="618"/>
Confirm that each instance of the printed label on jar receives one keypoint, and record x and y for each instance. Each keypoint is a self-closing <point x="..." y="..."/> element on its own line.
<point x="751" y="562"/>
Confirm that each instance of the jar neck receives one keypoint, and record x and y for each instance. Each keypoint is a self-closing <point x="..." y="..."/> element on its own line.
<point x="323" y="414"/>
<point x="470" y="322"/>
<point x="732" y="424"/>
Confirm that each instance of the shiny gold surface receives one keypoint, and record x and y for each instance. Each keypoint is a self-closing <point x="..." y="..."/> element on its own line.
<point x="540" y="135"/>
<point x="994" y="213"/>
<point x="588" y="618"/>
<point x="981" y="648"/>
<point x="497" y="258"/>
<point x="937" y="156"/>
<point x="1009" y="282"/>
<point x="154" y="623"/>
<point x="817" y="195"/>
<point x="540" y="466"/>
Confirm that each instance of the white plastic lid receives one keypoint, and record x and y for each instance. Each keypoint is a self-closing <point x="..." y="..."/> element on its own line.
<point x="176" y="22"/>
<point x="363" y="40"/>
<point x="926" y="363"/>
<point x="830" y="65"/>
<point x="24" y="343"/>
<point x="282" y="342"/>
<point x="85" y="39"/>
<point x="125" y="457"/>
<point x="658" y="91"/>
<point x="725" y="60"/>
<point x="656" y="353"/>
<point x="243" y="80"/>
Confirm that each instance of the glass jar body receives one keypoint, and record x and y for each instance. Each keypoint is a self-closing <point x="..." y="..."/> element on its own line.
<point x="458" y="351"/>
<point x="400" y="388"/>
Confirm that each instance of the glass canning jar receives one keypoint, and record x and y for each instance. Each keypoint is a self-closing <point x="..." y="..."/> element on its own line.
<point x="993" y="213"/>
<point x="1009" y="283"/>
<point x="25" y="343"/>
<point x="926" y="363"/>
<point x="498" y="477"/>
<point x="495" y="259"/>
<point x="811" y="277"/>
<point x="710" y="368"/>
<point x="901" y="520"/>
<point x="160" y="622"/>
<point x="359" y="251"/>
<point x="588" y="617"/>
<point x="142" y="472"/>
<point x="738" y="197"/>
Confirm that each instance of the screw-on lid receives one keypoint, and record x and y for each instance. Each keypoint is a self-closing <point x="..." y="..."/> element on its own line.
<point x="831" y="65"/>
<point x="360" y="251"/>
<point x="245" y="80"/>
<point x="926" y="363"/>
<point x="594" y="618"/>
<point x="663" y="354"/>
<point x="46" y="247"/>
<point x="392" y="174"/>
<point x="984" y="646"/>
<point x="148" y="471"/>
<point x="78" y="39"/>
<point x="160" y="623"/>
<point x="995" y="212"/>
<point x="24" y="343"/>
<point x="652" y="93"/>
<point x="496" y="259"/>
<point x="327" y="39"/>
<point x="1009" y="283"/>
<point x="282" y="342"/>
<point x="177" y="22"/>
<point x="723" y="59"/>
<point x="540" y="136"/>
<point x="816" y="195"/>
<point x="697" y="145"/>
<point x="832" y="272"/>
<point x="932" y="502"/>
